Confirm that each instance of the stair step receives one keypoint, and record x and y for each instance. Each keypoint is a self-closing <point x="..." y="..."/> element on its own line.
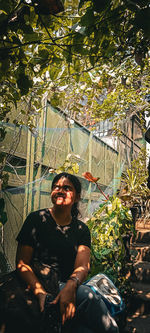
<point x="142" y="224"/>
<point x="142" y="236"/>
<point x="140" y="252"/>
<point x="138" y="307"/>
<point x="141" y="290"/>
<point x="141" y="271"/>
<point x="137" y="323"/>
<point x="138" y="317"/>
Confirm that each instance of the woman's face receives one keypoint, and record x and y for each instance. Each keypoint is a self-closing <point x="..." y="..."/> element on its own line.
<point x="64" y="193"/>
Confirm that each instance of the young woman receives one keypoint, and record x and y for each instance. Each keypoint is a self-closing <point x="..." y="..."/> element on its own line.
<point x="55" y="236"/>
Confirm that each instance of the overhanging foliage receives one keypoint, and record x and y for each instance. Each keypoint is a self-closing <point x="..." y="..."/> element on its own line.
<point x="54" y="54"/>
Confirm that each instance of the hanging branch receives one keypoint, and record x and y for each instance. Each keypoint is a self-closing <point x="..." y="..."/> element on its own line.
<point x="87" y="175"/>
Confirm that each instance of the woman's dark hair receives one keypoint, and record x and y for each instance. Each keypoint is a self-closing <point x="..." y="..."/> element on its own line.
<point x="77" y="185"/>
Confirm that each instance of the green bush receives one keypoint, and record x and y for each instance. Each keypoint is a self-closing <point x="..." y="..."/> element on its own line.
<point x="108" y="226"/>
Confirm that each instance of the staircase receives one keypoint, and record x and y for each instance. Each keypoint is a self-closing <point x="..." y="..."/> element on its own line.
<point x="138" y="313"/>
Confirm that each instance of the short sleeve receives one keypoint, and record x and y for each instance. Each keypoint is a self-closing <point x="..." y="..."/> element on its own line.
<point x="84" y="235"/>
<point x="28" y="232"/>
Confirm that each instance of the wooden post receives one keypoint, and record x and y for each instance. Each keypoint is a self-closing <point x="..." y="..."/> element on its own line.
<point x="29" y="176"/>
<point x="105" y="164"/>
<point x="90" y="170"/>
<point x="39" y="153"/>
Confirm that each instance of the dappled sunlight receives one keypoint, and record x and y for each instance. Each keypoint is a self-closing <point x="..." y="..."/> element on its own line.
<point x="63" y="229"/>
<point x="45" y="271"/>
<point x="80" y="227"/>
<point x="81" y="248"/>
<point x="80" y="269"/>
<point x="42" y="213"/>
<point x="23" y="267"/>
<point x="2" y="328"/>
<point x="42" y="269"/>
<point x="90" y="295"/>
<point x="34" y="231"/>
<point x="108" y="321"/>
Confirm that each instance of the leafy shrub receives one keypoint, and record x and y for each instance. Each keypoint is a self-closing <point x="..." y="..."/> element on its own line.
<point x="109" y="227"/>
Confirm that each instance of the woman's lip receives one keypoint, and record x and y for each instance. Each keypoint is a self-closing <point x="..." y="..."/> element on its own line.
<point x="60" y="200"/>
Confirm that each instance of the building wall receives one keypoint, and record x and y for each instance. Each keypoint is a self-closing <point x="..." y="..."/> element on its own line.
<point x="31" y="157"/>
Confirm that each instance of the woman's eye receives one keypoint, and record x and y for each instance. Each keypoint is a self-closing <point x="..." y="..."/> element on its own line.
<point x="56" y="188"/>
<point x="67" y="188"/>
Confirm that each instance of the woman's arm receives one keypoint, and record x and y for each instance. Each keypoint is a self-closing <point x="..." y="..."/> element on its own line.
<point x="23" y="260"/>
<point x="82" y="264"/>
<point x="67" y="296"/>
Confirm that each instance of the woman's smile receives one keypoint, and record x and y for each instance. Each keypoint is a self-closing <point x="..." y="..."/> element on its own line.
<point x="63" y="192"/>
<point x="60" y="199"/>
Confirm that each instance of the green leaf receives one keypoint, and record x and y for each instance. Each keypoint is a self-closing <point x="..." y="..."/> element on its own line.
<point x="100" y="5"/>
<point x="88" y="18"/>
<point x="5" y="63"/>
<point x="75" y="167"/>
<point x="92" y="60"/>
<point x="55" y="100"/>
<point x="142" y="20"/>
<point x="43" y="53"/>
<point x="53" y="72"/>
<point x="24" y="83"/>
<point x="32" y="36"/>
<point x="16" y="40"/>
<point x="27" y="30"/>
<point x="6" y="6"/>
<point x="106" y="251"/>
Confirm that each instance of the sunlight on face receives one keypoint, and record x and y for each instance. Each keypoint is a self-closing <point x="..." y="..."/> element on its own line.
<point x="63" y="193"/>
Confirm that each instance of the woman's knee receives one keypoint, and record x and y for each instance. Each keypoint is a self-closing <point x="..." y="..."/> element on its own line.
<point x="85" y="293"/>
<point x="93" y="311"/>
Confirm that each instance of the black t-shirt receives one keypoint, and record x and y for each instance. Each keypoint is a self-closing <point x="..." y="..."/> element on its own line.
<point x="53" y="243"/>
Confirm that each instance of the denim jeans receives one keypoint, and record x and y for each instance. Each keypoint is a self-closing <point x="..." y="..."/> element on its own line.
<point x="92" y="315"/>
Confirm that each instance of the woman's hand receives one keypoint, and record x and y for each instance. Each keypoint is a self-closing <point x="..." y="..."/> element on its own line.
<point x="41" y="298"/>
<point x="67" y="299"/>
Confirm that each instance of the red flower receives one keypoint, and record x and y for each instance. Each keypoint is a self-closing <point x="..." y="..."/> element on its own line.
<point x="87" y="175"/>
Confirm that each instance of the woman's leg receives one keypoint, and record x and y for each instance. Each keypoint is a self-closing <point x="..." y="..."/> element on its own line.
<point x="82" y="329"/>
<point x="72" y="326"/>
<point x="92" y="312"/>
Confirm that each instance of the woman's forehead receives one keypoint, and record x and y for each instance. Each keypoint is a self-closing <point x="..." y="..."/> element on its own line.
<point x="65" y="181"/>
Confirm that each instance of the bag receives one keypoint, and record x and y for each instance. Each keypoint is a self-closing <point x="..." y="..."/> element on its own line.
<point x="19" y="307"/>
<point x="104" y="287"/>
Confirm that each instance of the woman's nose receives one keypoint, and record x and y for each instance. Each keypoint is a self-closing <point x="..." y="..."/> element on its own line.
<point x="61" y="189"/>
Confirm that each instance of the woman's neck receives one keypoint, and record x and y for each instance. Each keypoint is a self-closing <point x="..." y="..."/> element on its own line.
<point x="61" y="216"/>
